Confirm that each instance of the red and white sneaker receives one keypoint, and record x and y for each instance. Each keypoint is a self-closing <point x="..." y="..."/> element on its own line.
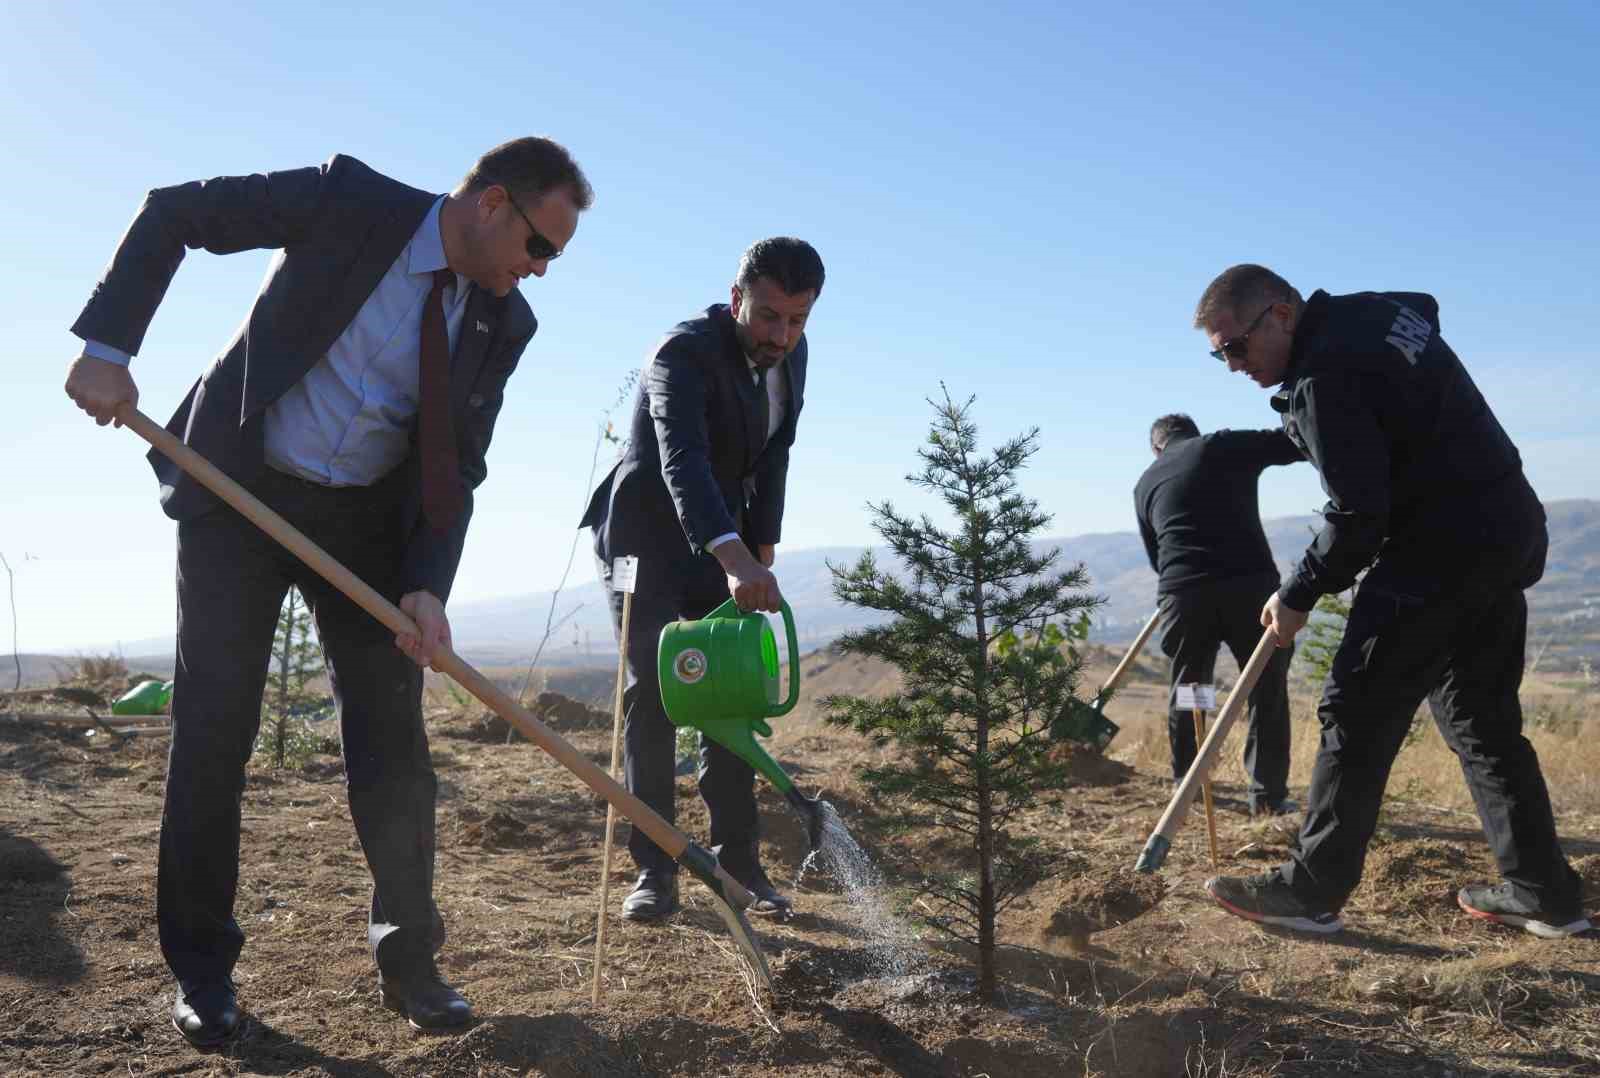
<point x="1512" y="905"/>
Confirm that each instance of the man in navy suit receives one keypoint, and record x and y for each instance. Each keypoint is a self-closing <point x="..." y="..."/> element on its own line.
<point x="698" y="498"/>
<point x="357" y="400"/>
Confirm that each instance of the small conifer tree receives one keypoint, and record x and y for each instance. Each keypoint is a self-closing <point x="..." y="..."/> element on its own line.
<point x="979" y="624"/>
<point x="296" y="661"/>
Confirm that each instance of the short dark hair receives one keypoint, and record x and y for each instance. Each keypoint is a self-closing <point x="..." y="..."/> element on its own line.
<point x="530" y="166"/>
<point x="793" y="265"/>
<point x="1163" y="430"/>
<point x="1239" y="287"/>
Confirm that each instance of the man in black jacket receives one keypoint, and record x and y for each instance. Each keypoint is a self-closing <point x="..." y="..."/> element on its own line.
<point x="357" y="400"/>
<point x="698" y="498"/>
<point x="1201" y="524"/>
<point x="1426" y="488"/>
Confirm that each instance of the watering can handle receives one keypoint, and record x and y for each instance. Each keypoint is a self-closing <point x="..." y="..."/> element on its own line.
<point x="730" y="609"/>
<point x="794" y="665"/>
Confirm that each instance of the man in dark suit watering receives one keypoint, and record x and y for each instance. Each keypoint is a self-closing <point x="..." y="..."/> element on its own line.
<point x="698" y="498"/>
<point x="357" y="400"/>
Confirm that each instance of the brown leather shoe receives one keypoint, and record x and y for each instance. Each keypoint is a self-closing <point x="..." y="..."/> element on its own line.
<point x="206" y="1015"/>
<point x="425" y="999"/>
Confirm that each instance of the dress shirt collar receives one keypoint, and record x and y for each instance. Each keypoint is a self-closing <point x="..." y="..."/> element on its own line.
<point x="427" y="246"/>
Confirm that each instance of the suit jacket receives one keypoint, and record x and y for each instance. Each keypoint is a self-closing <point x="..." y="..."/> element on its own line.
<point x="696" y="466"/>
<point x="338" y="228"/>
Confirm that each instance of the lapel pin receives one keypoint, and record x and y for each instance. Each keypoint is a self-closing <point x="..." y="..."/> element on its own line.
<point x="483" y="327"/>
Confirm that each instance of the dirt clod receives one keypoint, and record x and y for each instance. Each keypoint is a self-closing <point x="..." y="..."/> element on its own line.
<point x="1094" y="902"/>
<point x="1588" y="868"/>
<point x="559" y="712"/>
<point x="1089" y="767"/>
<point x="500" y="830"/>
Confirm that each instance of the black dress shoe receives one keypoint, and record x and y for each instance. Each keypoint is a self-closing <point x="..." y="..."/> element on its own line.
<point x="425" y="999"/>
<point x="206" y="1015"/>
<point x="653" y="897"/>
<point x="765" y="898"/>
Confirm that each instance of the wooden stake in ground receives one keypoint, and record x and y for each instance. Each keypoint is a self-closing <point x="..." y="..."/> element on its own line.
<point x="1205" y="789"/>
<point x="624" y="572"/>
<point x="1155" y="848"/>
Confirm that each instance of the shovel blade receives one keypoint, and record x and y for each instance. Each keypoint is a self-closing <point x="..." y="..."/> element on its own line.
<point x="699" y="861"/>
<point x="1154" y="854"/>
<point x="1084" y="723"/>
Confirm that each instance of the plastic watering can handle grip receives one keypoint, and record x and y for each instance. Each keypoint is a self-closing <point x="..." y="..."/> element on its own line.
<point x="794" y="666"/>
<point x="729" y="609"/>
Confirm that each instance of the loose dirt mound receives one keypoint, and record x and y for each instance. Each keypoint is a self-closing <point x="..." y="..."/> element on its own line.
<point x="1069" y="911"/>
<point x="565" y="713"/>
<point x="556" y="711"/>
<point x="500" y="830"/>
<point x="1087" y="767"/>
<point x="1415" y="878"/>
<point x="1589" y="868"/>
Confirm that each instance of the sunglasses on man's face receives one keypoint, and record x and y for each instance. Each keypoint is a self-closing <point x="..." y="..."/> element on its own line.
<point x="540" y="249"/>
<point x="1238" y="347"/>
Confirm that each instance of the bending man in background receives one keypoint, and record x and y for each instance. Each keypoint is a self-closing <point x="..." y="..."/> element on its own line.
<point x="1201" y="524"/>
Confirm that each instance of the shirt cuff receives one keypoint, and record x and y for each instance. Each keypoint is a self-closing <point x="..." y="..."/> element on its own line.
<point x="99" y="350"/>
<point x="719" y="540"/>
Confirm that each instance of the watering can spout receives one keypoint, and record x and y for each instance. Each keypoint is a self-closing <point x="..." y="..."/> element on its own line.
<point x="810" y="810"/>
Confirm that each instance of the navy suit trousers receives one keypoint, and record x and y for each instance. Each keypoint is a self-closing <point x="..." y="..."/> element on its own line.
<point x="726" y="782"/>
<point x="232" y="579"/>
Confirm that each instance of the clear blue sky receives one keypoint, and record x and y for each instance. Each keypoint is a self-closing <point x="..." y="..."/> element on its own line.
<point x="1021" y="200"/>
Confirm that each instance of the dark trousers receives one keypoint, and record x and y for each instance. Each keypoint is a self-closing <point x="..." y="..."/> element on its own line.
<point x="232" y="579"/>
<point x="1195" y="622"/>
<point x="650" y="740"/>
<point x="1460" y="645"/>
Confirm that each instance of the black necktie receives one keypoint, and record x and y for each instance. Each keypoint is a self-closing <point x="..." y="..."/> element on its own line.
<point x="436" y="441"/>
<point x="763" y="408"/>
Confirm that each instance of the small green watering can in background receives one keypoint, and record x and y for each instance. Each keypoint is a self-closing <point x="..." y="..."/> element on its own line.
<point x="145" y="698"/>
<point x="719" y="675"/>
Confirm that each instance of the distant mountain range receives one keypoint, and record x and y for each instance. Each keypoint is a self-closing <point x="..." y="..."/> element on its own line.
<point x="1564" y="626"/>
<point x="1565" y="605"/>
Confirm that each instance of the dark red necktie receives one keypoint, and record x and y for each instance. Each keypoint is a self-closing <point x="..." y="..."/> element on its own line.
<point x="436" y="440"/>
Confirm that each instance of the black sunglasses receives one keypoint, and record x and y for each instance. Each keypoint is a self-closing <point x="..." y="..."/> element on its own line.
<point x="1238" y="347"/>
<point x="540" y="249"/>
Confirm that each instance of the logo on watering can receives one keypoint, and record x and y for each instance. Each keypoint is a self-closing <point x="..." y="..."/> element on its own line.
<point x="690" y="665"/>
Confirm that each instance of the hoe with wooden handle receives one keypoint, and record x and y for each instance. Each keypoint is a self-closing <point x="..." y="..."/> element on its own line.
<point x="729" y="898"/>
<point x="1155" y="850"/>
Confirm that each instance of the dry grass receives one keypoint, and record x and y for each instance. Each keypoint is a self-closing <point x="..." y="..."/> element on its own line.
<point x="1559" y="719"/>
<point x="101" y="668"/>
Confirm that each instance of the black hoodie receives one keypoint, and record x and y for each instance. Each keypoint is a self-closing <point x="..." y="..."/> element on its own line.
<point x="1415" y="465"/>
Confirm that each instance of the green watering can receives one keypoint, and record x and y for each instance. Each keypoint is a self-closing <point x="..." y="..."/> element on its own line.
<point x="719" y="675"/>
<point x="145" y="698"/>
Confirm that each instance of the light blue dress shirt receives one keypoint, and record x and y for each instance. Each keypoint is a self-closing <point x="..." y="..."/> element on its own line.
<point x="348" y="422"/>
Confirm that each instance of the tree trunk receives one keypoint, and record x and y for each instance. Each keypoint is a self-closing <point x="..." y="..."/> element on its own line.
<point x="986" y="976"/>
<point x="281" y="730"/>
<point x="986" y="941"/>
